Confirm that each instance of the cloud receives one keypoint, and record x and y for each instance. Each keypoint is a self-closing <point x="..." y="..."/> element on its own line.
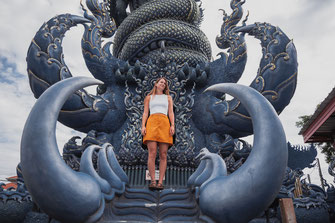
<point x="21" y="19"/>
<point x="20" y="22"/>
<point x="314" y="6"/>
<point x="16" y="103"/>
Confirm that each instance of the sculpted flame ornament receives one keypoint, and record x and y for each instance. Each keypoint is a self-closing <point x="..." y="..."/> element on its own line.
<point x="157" y="38"/>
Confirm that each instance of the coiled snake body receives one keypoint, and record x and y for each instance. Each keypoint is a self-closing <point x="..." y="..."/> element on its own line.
<point x="160" y="26"/>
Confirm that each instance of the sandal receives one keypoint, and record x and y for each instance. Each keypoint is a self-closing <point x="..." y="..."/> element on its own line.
<point x="160" y="186"/>
<point x="152" y="185"/>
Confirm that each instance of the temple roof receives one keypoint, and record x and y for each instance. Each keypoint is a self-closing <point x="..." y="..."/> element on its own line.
<point x="12" y="179"/>
<point x="321" y="126"/>
<point x="9" y="185"/>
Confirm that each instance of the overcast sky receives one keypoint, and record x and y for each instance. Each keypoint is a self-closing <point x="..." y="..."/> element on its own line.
<point x="310" y="23"/>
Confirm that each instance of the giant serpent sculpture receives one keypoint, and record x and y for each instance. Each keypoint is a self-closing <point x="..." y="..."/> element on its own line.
<point x="148" y="44"/>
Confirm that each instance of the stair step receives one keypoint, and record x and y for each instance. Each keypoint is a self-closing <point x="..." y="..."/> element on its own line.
<point x="139" y="204"/>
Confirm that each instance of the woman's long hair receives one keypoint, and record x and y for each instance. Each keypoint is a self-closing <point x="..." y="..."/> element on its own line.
<point x="165" y="91"/>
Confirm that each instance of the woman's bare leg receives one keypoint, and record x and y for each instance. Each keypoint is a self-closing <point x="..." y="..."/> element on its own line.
<point x="163" y="147"/>
<point x="152" y="148"/>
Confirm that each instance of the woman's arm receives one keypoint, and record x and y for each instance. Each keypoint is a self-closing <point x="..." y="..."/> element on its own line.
<point x="145" y="114"/>
<point x="171" y="115"/>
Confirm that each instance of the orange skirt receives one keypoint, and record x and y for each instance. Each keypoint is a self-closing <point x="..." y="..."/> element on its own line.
<point x="158" y="129"/>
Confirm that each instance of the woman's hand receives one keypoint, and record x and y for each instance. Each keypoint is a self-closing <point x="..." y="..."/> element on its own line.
<point x="144" y="131"/>
<point x="172" y="130"/>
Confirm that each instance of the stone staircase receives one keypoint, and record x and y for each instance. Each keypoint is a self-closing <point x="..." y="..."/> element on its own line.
<point x="139" y="204"/>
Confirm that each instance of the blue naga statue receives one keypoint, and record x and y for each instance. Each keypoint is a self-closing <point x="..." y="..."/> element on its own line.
<point x="157" y="38"/>
<point x="161" y="38"/>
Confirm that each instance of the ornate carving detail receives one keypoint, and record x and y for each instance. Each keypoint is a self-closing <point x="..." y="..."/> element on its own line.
<point x="182" y="152"/>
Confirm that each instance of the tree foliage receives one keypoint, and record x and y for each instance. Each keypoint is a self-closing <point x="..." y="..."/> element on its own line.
<point x="303" y="120"/>
<point x="327" y="149"/>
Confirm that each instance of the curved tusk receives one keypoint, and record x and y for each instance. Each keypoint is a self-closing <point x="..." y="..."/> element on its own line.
<point x="67" y="196"/>
<point x="205" y="174"/>
<point x="198" y="171"/>
<point x="114" y="164"/>
<point x="86" y="166"/>
<point x="218" y="167"/>
<point x="255" y="184"/>
<point x="106" y="172"/>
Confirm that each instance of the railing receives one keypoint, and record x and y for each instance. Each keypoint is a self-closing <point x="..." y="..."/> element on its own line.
<point x="175" y="177"/>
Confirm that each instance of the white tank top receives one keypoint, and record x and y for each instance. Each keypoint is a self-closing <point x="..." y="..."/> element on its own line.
<point x="159" y="104"/>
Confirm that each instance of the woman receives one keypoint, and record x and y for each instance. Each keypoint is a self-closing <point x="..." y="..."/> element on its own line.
<point x="158" y="129"/>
